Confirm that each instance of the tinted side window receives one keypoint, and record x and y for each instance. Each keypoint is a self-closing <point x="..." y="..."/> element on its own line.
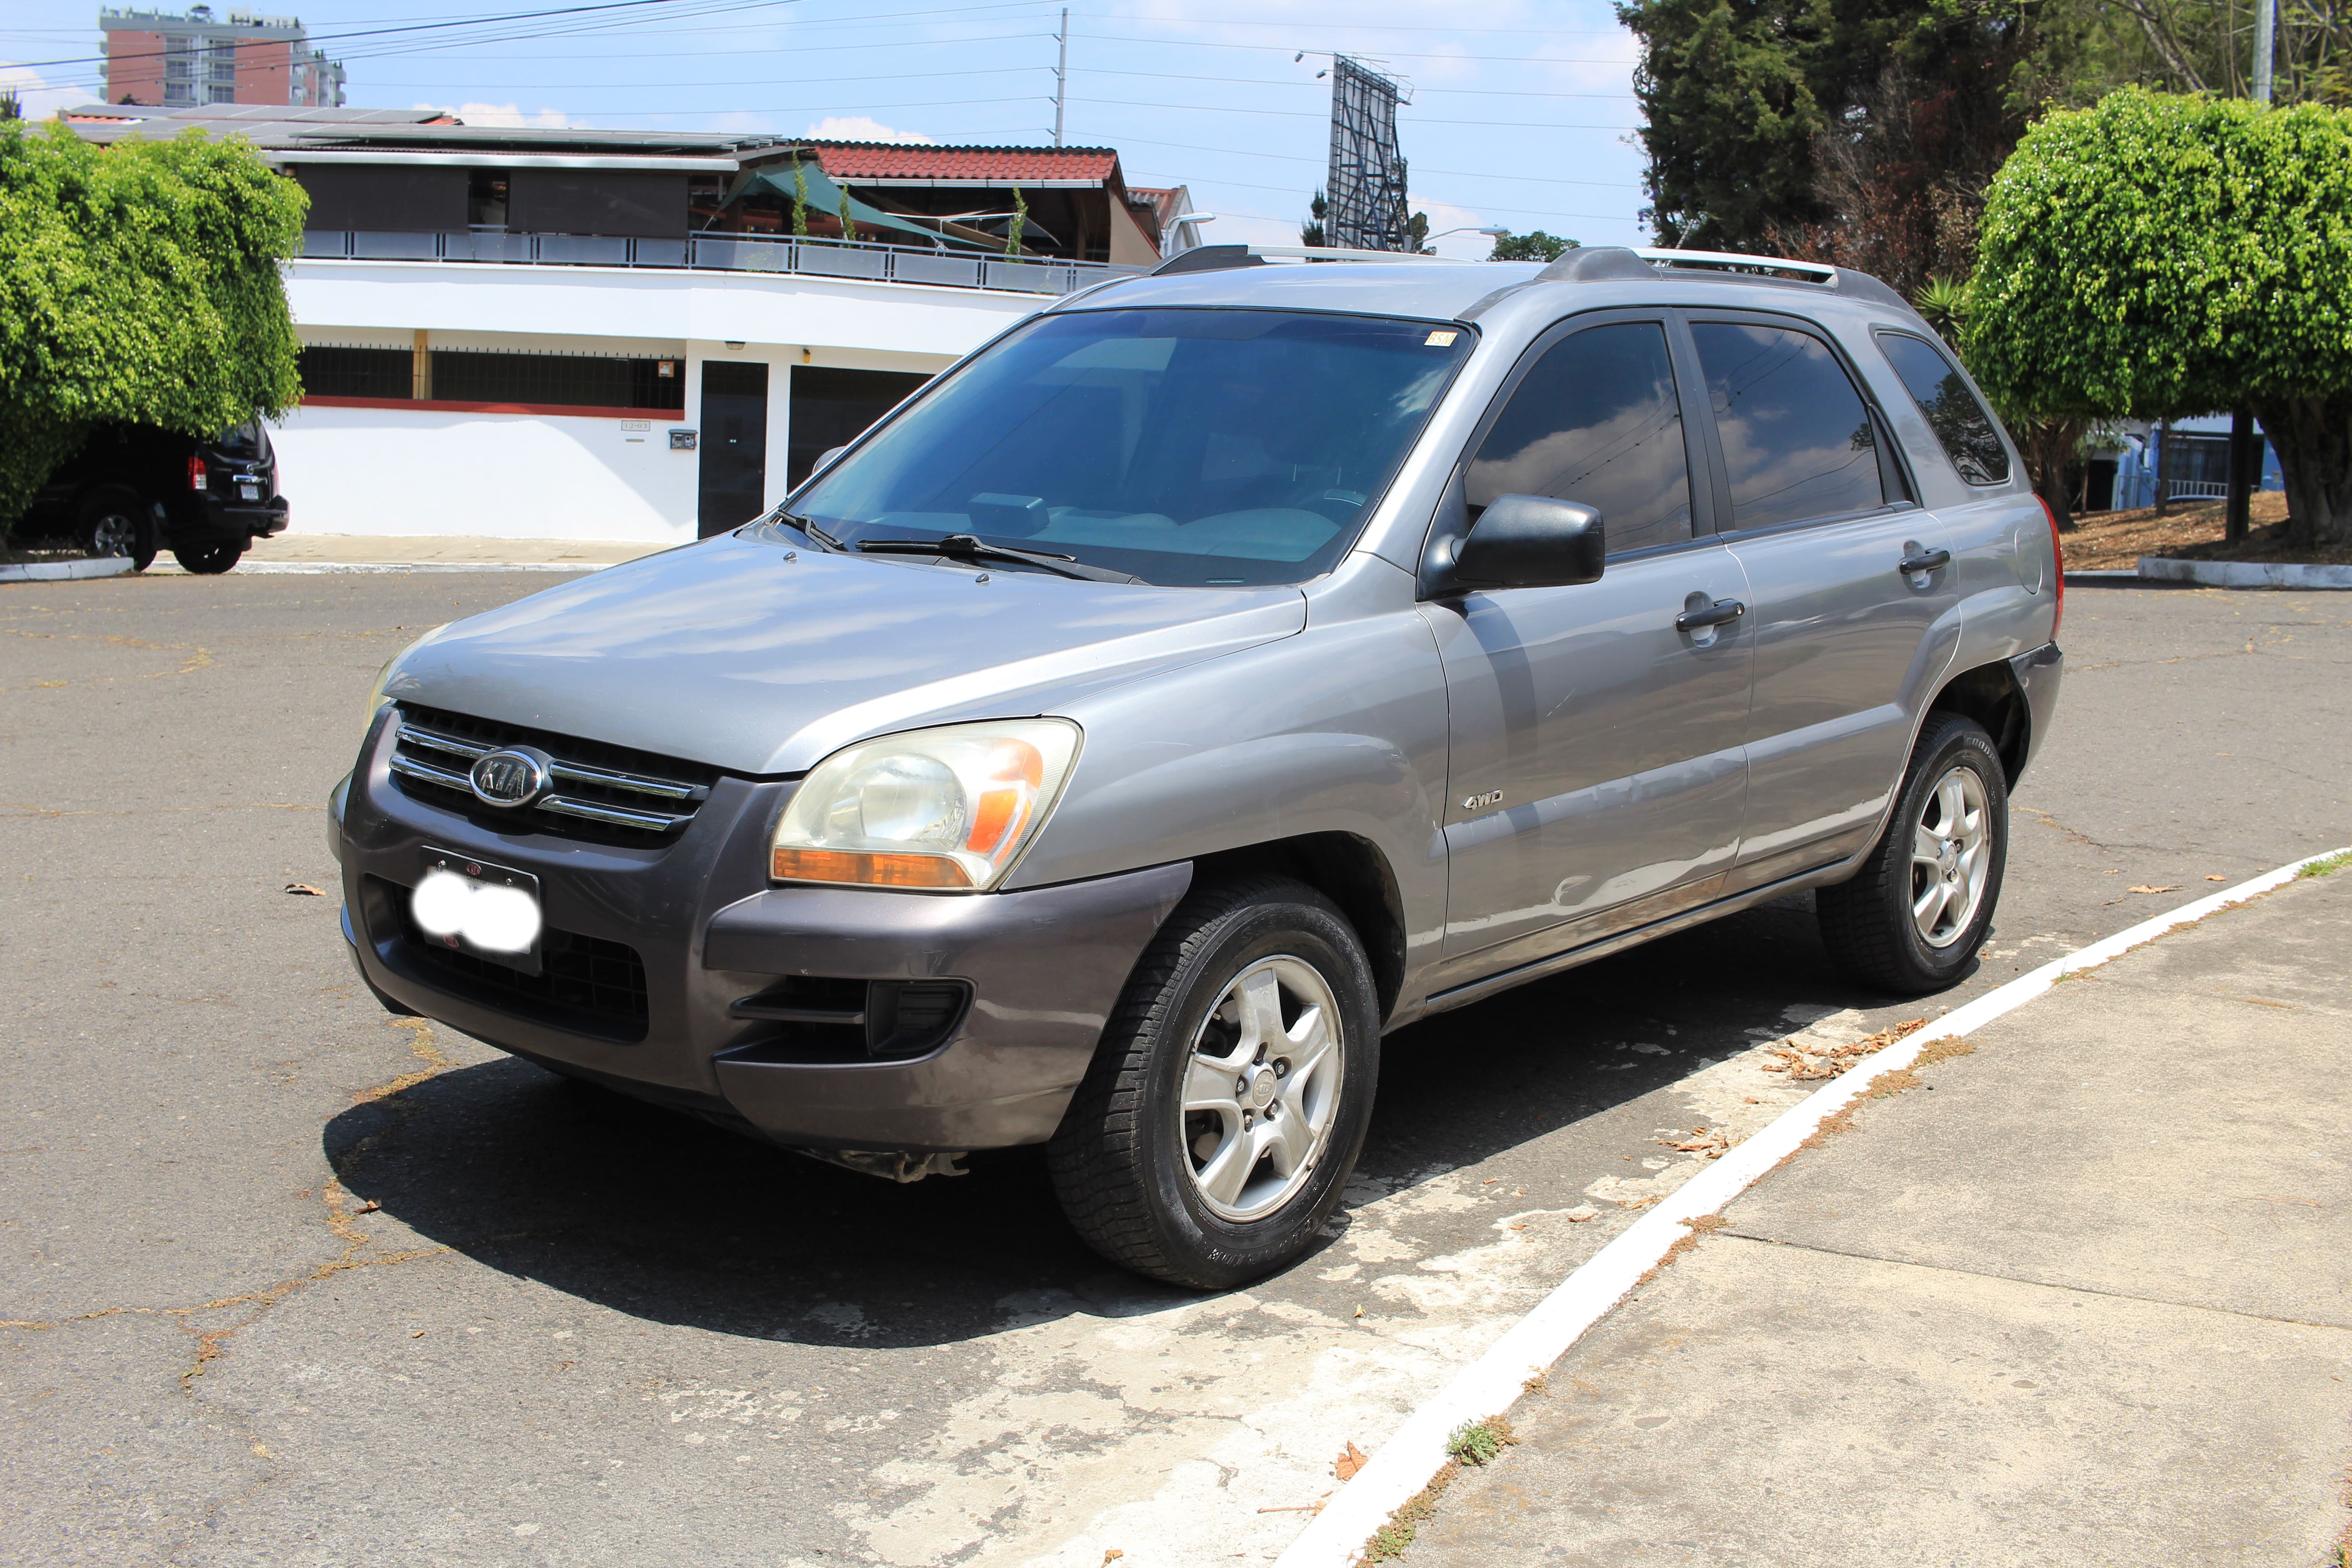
<point x="1596" y="422"/>
<point x="1959" y="420"/>
<point x="1796" y="435"/>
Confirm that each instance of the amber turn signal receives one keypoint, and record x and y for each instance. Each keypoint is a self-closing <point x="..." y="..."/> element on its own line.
<point x="868" y="870"/>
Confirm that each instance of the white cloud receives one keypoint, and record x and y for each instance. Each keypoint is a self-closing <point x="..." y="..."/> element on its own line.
<point x="502" y="114"/>
<point x="863" y="128"/>
<point x="37" y="97"/>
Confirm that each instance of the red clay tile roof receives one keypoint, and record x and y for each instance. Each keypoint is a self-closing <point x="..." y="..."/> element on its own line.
<point x="1003" y="165"/>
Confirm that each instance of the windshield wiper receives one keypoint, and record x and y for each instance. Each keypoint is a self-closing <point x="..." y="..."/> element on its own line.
<point x="966" y="547"/>
<point x="800" y="524"/>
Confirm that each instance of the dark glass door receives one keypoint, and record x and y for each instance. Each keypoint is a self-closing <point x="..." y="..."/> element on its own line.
<point x="734" y="444"/>
<point x="833" y="407"/>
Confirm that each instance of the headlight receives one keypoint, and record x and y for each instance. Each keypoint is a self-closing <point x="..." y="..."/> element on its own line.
<point x="949" y="809"/>
<point x="391" y="668"/>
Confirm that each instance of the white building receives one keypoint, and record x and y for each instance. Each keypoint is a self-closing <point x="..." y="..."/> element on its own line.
<point x="622" y="336"/>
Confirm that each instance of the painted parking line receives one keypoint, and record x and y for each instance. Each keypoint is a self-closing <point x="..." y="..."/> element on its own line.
<point x="1404" y="1463"/>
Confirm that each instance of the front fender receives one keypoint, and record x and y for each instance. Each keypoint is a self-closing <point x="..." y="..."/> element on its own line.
<point x="1340" y="730"/>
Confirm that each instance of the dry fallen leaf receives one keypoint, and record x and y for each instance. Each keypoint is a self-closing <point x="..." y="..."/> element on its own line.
<point x="2217" y="878"/>
<point x="417" y="1333"/>
<point x="304" y="890"/>
<point x="1113" y="1556"/>
<point x="368" y="1207"/>
<point x="1351" y="1459"/>
<point x="2151" y="887"/>
<point x="1360" y="1312"/>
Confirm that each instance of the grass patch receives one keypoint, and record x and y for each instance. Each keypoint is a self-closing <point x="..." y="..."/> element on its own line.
<point x="1477" y="1442"/>
<point x="2327" y="868"/>
<point x="1474" y="1443"/>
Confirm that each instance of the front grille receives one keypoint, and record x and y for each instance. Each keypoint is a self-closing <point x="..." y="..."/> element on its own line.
<point x="606" y="794"/>
<point x="579" y="975"/>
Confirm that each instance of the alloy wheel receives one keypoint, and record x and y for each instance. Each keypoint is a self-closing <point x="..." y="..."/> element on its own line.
<point x="1261" y="1087"/>
<point x="1951" y="855"/>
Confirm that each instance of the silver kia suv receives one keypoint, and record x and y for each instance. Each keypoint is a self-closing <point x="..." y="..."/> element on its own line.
<point x="1215" y="671"/>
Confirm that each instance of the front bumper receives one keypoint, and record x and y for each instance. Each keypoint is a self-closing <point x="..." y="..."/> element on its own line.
<point x="1042" y="967"/>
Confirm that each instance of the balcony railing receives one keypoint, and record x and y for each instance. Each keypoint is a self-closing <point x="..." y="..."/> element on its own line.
<point x="716" y="253"/>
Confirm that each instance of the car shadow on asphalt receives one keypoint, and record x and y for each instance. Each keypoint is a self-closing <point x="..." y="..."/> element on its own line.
<point x="671" y="1219"/>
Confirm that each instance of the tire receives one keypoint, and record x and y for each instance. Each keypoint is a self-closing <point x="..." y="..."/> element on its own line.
<point x="1948" y="841"/>
<point x="1145" y="1163"/>
<point x="113" y="521"/>
<point x="208" y="560"/>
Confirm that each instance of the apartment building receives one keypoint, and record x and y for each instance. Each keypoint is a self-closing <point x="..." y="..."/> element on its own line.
<point x="170" y="60"/>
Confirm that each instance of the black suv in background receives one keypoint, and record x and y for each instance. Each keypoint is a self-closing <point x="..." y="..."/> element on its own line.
<point x="133" y="490"/>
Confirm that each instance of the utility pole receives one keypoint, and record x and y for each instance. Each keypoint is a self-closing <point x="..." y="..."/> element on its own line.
<point x="1062" y="76"/>
<point x="2265" y="45"/>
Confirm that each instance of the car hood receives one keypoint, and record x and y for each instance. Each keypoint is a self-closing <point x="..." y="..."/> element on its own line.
<point x="753" y="658"/>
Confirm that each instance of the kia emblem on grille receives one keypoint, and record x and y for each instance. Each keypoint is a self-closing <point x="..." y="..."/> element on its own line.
<point x="508" y="778"/>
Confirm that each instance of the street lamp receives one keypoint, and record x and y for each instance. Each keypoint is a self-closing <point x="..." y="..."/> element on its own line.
<point x="1492" y="231"/>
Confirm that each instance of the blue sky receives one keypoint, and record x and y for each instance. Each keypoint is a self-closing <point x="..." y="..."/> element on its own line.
<point x="1521" y="113"/>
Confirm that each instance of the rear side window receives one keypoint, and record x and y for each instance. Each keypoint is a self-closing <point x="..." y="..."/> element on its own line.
<point x="1797" y="437"/>
<point x="1596" y="422"/>
<point x="1959" y="420"/>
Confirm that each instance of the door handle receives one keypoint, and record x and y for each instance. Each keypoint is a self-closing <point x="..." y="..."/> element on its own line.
<point x="1715" y="614"/>
<point x="1926" y="560"/>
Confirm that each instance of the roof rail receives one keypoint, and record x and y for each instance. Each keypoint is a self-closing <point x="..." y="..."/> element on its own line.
<point x="1821" y="271"/>
<point x="1214" y="258"/>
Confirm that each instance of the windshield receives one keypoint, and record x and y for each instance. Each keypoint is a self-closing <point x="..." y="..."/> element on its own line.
<point x="1199" y="447"/>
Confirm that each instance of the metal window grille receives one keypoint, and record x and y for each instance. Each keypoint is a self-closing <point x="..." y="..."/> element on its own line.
<point x="581" y="381"/>
<point x="358" y="373"/>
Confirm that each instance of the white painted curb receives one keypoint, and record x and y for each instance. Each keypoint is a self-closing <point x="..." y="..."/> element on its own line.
<point x="1403" y="1464"/>
<point x="65" y="570"/>
<point x="2243" y="573"/>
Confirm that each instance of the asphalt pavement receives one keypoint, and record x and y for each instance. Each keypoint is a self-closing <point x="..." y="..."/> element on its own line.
<point x="293" y="1282"/>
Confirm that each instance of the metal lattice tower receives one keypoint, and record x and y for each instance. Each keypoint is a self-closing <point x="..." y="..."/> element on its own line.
<point x="1365" y="188"/>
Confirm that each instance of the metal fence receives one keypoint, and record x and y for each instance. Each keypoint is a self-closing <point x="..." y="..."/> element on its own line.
<point x="2198" y="490"/>
<point x="718" y="253"/>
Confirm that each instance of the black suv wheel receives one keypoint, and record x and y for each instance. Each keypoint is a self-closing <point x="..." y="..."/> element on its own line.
<point x="1912" y="919"/>
<point x="1227" y="1104"/>
<point x="208" y="560"/>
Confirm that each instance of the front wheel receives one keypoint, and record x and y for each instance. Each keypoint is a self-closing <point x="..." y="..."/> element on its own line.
<point x="208" y="560"/>
<point x="1227" y="1104"/>
<point x="1912" y="919"/>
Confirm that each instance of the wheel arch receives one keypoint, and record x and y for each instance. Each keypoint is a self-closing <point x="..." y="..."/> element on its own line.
<point x="1990" y="695"/>
<point x="1351" y="871"/>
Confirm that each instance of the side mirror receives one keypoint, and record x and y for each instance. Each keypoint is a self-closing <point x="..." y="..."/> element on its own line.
<point x="1529" y="541"/>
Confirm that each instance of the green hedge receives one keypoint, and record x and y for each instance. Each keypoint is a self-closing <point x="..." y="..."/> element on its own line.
<point x="138" y="282"/>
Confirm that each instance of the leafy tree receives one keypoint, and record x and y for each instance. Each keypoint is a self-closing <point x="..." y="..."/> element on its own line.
<point x="2161" y="256"/>
<point x="1019" y="229"/>
<point x="1310" y="233"/>
<point x="800" y="199"/>
<point x="138" y="283"/>
<point x="1536" y="247"/>
<point x="848" y="227"/>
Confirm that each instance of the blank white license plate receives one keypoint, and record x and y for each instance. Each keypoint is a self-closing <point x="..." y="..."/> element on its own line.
<point x="249" y="492"/>
<point x="472" y="906"/>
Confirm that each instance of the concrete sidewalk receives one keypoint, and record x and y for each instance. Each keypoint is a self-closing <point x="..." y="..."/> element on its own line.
<point x="362" y="551"/>
<point x="2082" y="1296"/>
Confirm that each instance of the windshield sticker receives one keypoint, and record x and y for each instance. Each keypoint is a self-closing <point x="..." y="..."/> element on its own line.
<point x="1440" y="339"/>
